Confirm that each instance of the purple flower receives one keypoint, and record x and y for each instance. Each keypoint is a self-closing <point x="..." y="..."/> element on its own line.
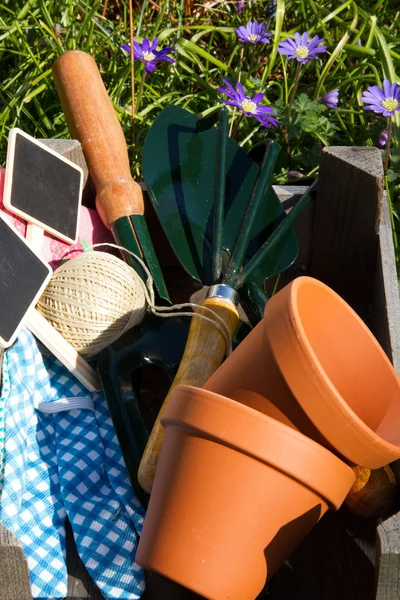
<point x="240" y="6"/>
<point x="331" y="99"/>
<point x="271" y="9"/>
<point x="384" y="101"/>
<point x="294" y="175"/>
<point x="301" y="48"/>
<point x="248" y="106"/>
<point x="253" y="33"/>
<point x="147" y="53"/>
<point x="383" y="139"/>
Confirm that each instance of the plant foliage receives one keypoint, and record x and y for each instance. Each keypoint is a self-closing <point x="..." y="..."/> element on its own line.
<point x="363" y="46"/>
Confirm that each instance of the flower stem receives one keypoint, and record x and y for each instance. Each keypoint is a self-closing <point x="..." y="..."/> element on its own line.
<point x="237" y="126"/>
<point x="252" y="59"/>
<point x="251" y="6"/>
<point x="140" y="91"/>
<point x="385" y="168"/>
<point x="296" y="84"/>
<point x="239" y="76"/>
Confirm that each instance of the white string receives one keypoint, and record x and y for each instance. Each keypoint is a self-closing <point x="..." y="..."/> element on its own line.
<point x="148" y="289"/>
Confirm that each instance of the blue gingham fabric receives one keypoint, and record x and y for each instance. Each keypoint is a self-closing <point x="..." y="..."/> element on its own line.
<point x="62" y="459"/>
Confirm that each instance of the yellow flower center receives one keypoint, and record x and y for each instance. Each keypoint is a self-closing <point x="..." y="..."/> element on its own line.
<point x="249" y="106"/>
<point x="252" y="37"/>
<point x="390" y="104"/>
<point x="302" y="51"/>
<point x="148" y="56"/>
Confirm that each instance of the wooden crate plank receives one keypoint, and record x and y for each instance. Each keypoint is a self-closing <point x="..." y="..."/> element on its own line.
<point x="14" y="576"/>
<point x="336" y="561"/>
<point x="385" y="313"/>
<point x="302" y="228"/>
<point x="388" y="587"/>
<point x="385" y="323"/>
<point x="345" y="240"/>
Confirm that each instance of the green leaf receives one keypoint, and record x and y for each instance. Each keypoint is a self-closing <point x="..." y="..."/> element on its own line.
<point x="279" y="17"/>
<point x="392" y="175"/>
<point x="194" y="48"/>
<point x="345" y="38"/>
<point x="390" y="73"/>
<point x="359" y="51"/>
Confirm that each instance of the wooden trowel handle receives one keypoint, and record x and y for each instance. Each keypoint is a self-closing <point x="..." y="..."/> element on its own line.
<point x="92" y="120"/>
<point x="204" y="352"/>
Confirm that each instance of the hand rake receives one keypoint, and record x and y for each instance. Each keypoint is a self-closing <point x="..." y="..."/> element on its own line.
<point x="226" y="226"/>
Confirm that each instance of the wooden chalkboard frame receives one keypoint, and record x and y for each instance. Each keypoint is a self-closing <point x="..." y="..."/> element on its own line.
<point x="7" y="343"/>
<point x="7" y="199"/>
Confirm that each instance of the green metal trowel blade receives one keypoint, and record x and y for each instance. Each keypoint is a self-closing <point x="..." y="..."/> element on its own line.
<point x="179" y="167"/>
<point x="132" y="233"/>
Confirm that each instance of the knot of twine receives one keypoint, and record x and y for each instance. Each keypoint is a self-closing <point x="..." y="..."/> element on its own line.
<point x="96" y="297"/>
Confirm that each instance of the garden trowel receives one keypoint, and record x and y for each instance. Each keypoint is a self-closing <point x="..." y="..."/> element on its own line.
<point x="92" y="120"/>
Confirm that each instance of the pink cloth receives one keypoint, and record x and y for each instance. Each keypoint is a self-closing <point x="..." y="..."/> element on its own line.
<point x="91" y="231"/>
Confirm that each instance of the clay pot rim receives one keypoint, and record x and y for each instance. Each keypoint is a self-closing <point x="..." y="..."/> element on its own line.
<point x="299" y="337"/>
<point x="325" y="474"/>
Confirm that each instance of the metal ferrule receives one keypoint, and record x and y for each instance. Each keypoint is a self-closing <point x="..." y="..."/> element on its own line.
<point x="220" y="290"/>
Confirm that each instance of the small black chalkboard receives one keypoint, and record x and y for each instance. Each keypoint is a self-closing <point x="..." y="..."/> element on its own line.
<point x="23" y="277"/>
<point x="42" y="187"/>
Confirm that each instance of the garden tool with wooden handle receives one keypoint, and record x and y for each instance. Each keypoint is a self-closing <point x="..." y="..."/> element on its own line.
<point x="374" y="494"/>
<point x="92" y="120"/>
<point x="206" y="348"/>
<point x="206" y="345"/>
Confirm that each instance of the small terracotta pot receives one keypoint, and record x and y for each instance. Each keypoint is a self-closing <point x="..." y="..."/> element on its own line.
<point x="313" y="364"/>
<point x="234" y="494"/>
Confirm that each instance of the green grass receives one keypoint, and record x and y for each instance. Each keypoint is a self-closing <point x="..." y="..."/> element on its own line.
<point x="363" y="39"/>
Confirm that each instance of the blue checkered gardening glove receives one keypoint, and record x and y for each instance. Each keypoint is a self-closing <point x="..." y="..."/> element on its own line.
<point x="62" y="458"/>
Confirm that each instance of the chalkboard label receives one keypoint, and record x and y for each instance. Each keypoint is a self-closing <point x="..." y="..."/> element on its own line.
<point x="23" y="278"/>
<point x="42" y="187"/>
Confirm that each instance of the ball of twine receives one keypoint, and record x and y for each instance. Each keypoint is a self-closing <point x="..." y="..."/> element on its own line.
<point x="92" y="300"/>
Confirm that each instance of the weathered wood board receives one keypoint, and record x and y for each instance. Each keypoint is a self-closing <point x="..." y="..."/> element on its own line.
<point x="346" y="240"/>
<point x="340" y="559"/>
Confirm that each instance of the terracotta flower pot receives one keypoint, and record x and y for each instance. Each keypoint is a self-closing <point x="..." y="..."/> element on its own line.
<point x="235" y="492"/>
<point x="314" y="364"/>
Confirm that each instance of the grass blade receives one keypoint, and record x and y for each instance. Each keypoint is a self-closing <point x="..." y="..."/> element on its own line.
<point x="280" y="15"/>
<point x="336" y="52"/>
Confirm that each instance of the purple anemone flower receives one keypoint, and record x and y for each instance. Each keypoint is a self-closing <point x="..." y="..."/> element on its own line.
<point x="383" y="139"/>
<point x="253" y="33"/>
<point x="271" y="9"/>
<point x="294" y="175"/>
<point x="240" y="6"/>
<point x="385" y="101"/>
<point x="331" y="99"/>
<point x="302" y="48"/>
<point x="147" y="53"/>
<point x="249" y="106"/>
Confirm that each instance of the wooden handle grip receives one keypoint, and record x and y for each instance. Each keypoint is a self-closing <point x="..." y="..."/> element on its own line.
<point x="92" y="120"/>
<point x="204" y="352"/>
<point x="374" y="493"/>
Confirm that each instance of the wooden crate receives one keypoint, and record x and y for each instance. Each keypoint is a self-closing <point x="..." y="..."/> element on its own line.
<point x="345" y="240"/>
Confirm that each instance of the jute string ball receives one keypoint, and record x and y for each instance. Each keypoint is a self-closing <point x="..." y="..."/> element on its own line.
<point x="92" y="300"/>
